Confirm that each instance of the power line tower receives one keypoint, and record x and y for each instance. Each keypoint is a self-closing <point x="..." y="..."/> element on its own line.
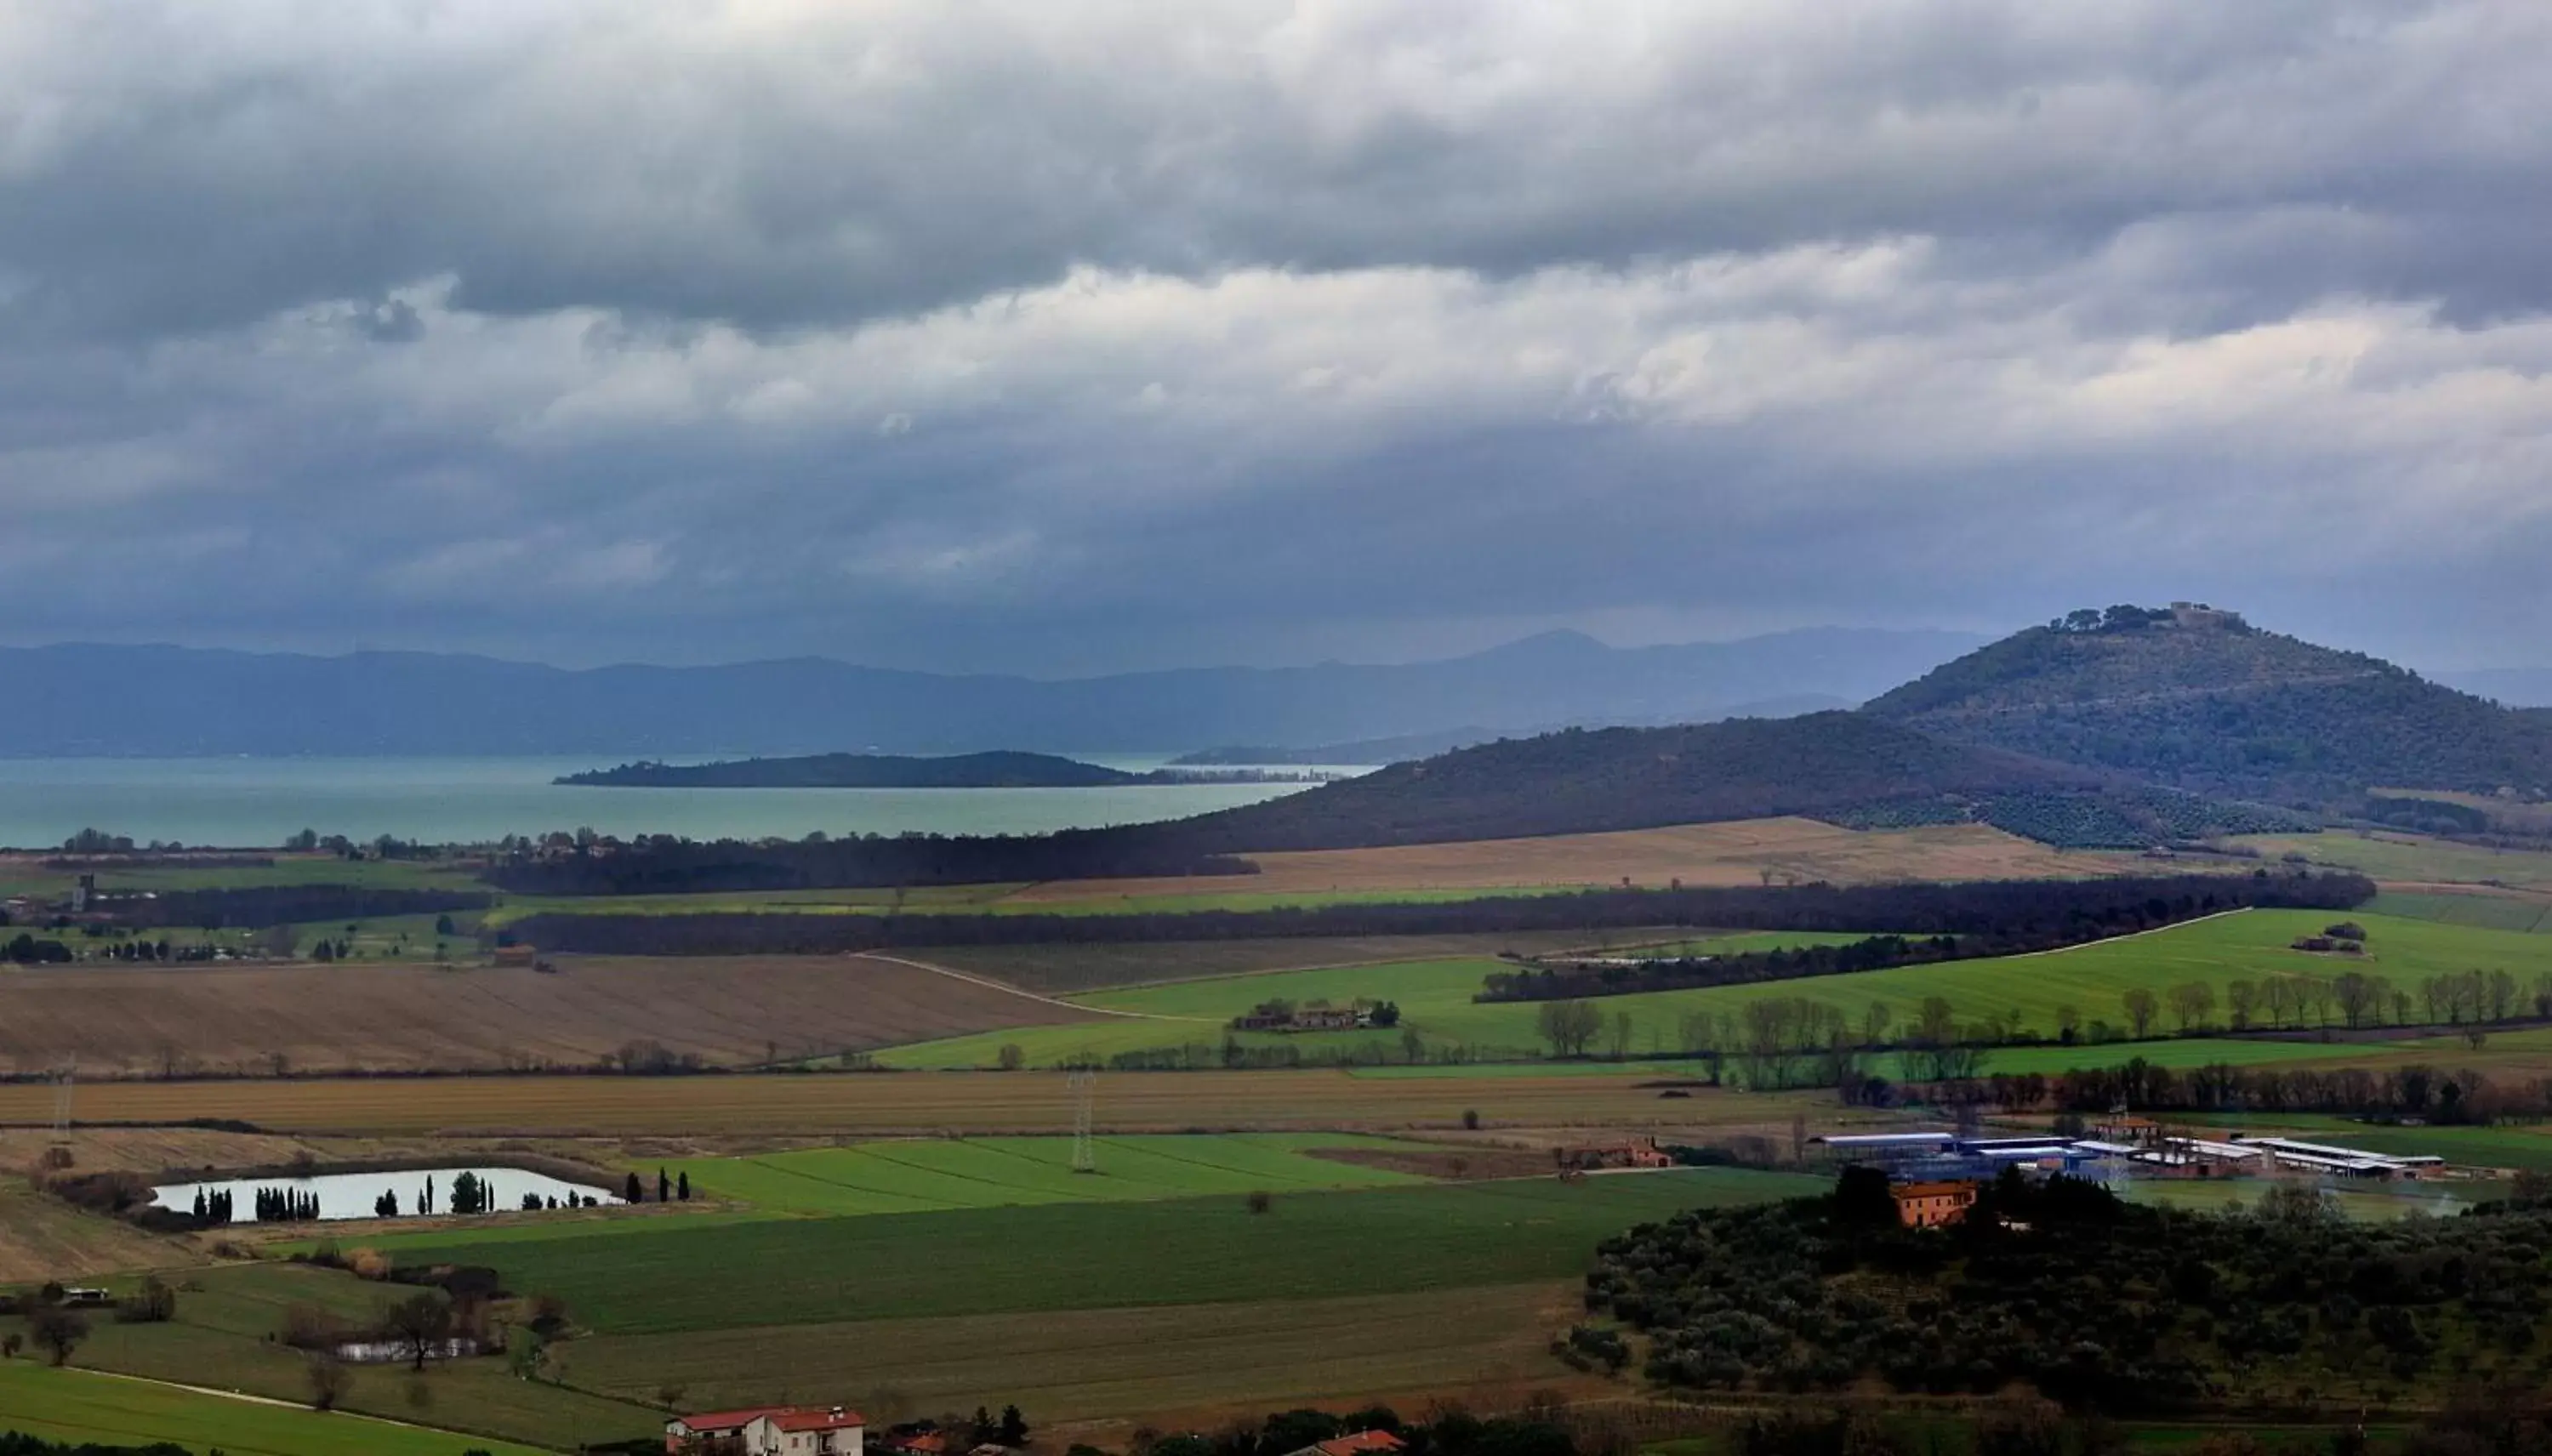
<point x="1084" y="1086"/>
<point x="62" y="1078"/>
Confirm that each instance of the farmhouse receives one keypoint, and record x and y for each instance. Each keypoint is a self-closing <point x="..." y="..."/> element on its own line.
<point x="1355" y="1443"/>
<point x="1637" y="1152"/>
<point x="1931" y="1204"/>
<point x="767" y="1430"/>
<point x="1275" y="1017"/>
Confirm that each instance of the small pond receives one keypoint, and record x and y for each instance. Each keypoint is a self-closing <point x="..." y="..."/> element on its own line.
<point x="343" y="1196"/>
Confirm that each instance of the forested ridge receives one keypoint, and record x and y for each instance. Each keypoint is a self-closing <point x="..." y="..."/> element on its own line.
<point x="1959" y="922"/>
<point x="2018" y="908"/>
<point x="2219" y="706"/>
<point x="256" y="906"/>
<point x="664" y="864"/>
<point x="1582" y="781"/>
<point x="2097" y="1303"/>
<point x="1848" y="769"/>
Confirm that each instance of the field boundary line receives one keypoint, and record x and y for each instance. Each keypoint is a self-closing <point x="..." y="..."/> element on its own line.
<point x="990" y="984"/>
<point x="2115" y="939"/>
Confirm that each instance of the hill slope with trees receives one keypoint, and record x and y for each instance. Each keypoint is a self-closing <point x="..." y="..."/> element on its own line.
<point x="2201" y="700"/>
<point x="1845" y="768"/>
<point x="2097" y="1303"/>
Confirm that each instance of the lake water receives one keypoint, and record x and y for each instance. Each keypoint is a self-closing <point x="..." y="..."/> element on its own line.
<point x="343" y="1196"/>
<point x="261" y="801"/>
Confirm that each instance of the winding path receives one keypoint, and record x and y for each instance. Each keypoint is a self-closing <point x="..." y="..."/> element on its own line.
<point x="988" y="984"/>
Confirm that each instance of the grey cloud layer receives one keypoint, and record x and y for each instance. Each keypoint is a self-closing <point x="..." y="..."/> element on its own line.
<point x="1025" y="334"/>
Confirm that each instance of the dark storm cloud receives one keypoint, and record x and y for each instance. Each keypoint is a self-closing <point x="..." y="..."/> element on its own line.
<point x="780" y="164"/>
<point x="1032" y="334"/>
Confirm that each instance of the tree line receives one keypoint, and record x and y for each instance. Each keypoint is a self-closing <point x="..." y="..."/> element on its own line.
<point x="2021" y="908"/>
<point x="256" y="906"/>
<point x="2427" y="1094"/>
<point x="661" y="864"/>
<point x="2004" y="919"/>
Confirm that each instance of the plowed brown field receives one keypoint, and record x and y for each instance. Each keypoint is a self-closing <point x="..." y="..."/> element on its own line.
<point x="388" y="1018"/>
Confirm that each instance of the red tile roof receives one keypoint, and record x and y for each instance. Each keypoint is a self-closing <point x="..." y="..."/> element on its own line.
<point x="832" y="1417"/>
<point x="728" y="1419"/>
<point x="1358" y="1443"/>
<point x="786" y="1417"/>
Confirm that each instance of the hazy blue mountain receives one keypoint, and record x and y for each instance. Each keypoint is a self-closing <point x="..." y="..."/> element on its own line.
<point x="180" y="702"/>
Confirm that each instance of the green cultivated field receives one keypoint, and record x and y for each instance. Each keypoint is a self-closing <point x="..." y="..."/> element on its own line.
<point x="220" y="1339"/>
<point x="81" y="1407"/>
<point x="916" y="1175"/>
<point x="655" y="1279"/>
<point x="2532" y="915"/>
<point x="1435" y="996"/>
<point x="2407" y="857"/>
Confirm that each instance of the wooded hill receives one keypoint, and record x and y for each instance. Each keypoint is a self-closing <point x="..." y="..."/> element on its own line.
<point x="2096" y="1302"/>
<point x="1845" y="768"/>
<point x="2200" y="699"/>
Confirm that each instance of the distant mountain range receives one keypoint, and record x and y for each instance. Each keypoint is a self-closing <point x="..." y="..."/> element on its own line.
<point x="169" y="702"/>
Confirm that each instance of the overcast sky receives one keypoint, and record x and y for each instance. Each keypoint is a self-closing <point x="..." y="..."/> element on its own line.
<point x="1073" y="337"/>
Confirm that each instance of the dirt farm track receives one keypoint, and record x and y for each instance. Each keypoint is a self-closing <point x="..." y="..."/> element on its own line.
<point x="867" y="1104"/>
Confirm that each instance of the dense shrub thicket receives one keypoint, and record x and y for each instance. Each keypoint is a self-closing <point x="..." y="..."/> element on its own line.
<point x="2095" y="1302"/>
<point x="2018" y="908"/>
